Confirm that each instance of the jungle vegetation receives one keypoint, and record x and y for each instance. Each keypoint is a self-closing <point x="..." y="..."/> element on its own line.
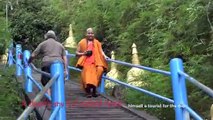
<point x="161" y="29"/>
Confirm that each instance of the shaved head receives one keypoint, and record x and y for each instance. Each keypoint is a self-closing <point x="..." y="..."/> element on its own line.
<point x="90" y="34"/>
<point x="89" y="30"/>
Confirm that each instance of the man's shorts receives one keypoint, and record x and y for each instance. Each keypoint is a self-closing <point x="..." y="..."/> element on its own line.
<point x="45" y="79"/>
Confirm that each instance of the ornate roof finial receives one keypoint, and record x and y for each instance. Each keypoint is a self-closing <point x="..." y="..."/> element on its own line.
<point x="135" y="59"/>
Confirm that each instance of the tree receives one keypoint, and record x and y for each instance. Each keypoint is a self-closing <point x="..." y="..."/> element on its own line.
<point x="4" y="33"/>
<point x="32" y="21"/>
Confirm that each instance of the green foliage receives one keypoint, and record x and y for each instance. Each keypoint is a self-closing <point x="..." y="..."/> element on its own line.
<point x="10" y="99"/>
<point x="158" y="84"/>
<point x="34" y="20"/>
<point x="4" y="31"/>
<point x="161" y="30"/>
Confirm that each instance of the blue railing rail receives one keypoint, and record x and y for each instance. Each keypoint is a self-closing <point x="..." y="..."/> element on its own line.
<point x="37" y="99"/>
<point x="56" y="83"/>
<point x="10" y="57"/>
<point x="28" y="84"/>
<point x="177" y="74"/>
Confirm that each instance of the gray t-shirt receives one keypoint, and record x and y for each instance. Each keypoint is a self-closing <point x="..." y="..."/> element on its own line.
<point x="51" y="50"/>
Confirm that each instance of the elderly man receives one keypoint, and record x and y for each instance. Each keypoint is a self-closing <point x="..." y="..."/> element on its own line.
<point x="51" y="50"/>
<point x="92" y="62"/>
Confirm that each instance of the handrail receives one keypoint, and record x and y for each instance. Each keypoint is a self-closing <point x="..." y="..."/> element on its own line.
<point x="141" y="67"/>
<point x="132" y="65"/>
<point x="178" y="84"/>
<point x="39" y="71"/>
<point x="140" y="89"/>
<point x="56" y="82"/>
<point x="192" y="112"/>
<point x="197" y="83"/>
<point x="74" y="68"/>
<point x="54" y="113"/>
<point x="29" y="109"/>
<point x="18" y="60"/>
<point x="21" y="66"/>
<point x="39" y="87"/>
<point x="14" y="60"/>
<point x="177" y="81"/>
<point x="133" y="87"/>
<point x="71" y="55"/>
<point x="130" y="86"/>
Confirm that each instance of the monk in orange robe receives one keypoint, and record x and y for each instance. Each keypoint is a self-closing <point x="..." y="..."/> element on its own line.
<point x="92" y="61"/>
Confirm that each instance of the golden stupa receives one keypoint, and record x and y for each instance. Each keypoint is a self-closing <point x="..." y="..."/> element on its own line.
<point x="113" y="73"/>
<point x="134" y="74"/>
<point x="69" y="42"/>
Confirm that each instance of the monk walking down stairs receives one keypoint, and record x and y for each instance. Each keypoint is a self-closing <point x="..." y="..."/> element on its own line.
<point x="92" y="61"/>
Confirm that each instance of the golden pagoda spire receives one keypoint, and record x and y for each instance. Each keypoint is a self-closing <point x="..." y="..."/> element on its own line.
<point x="113" y="73"/>
<point x="134" y="74"/>
<point x="113" y="65"/>
<point x="135" y="59"/>
<point x="69" y="42"/>
<point x="70" y="31"/>
<point x="4" y="57"/>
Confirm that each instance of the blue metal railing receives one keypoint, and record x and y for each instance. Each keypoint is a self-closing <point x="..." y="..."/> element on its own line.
<point x="39" y="87"/>
<point x="198" y="84"/>
<point x="102" y="90"/>
<point x="37" y="99"/>
<point x="18" y="60"/>
<point x="177" y="74"/>
<point x="10" y="57"/>
<point x="28" y="72"/>
<point x="179" y="89"/>
<point x="56" y="83"/>
<point x="54" y="113"/>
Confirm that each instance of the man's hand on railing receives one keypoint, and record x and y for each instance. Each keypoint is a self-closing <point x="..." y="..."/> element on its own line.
<point x="106" y="57"/>
<point x="65" y="74"/>
<point x="30" y="60"/>
<point x="33" y="66"/>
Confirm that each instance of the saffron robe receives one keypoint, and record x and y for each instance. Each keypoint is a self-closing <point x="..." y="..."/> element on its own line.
<point x="93" y="66"/>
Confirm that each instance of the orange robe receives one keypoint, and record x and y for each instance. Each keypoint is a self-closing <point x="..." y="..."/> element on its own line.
<point x="93" y="66"/>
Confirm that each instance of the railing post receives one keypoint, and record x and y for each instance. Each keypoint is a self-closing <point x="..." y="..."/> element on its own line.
<point x="10" y="57"/>
<point x="179" y="89"/>
<point x="57" y="90"/>
<point x="18" y="60"/>
<point x="27" y="71"/>
<point x="68" y="70"/>
<point x="102" y="85"/>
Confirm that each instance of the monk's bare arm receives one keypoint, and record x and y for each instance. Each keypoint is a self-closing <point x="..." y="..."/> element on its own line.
<point x="78" y="52"/>
<point x="106" y="57"/>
